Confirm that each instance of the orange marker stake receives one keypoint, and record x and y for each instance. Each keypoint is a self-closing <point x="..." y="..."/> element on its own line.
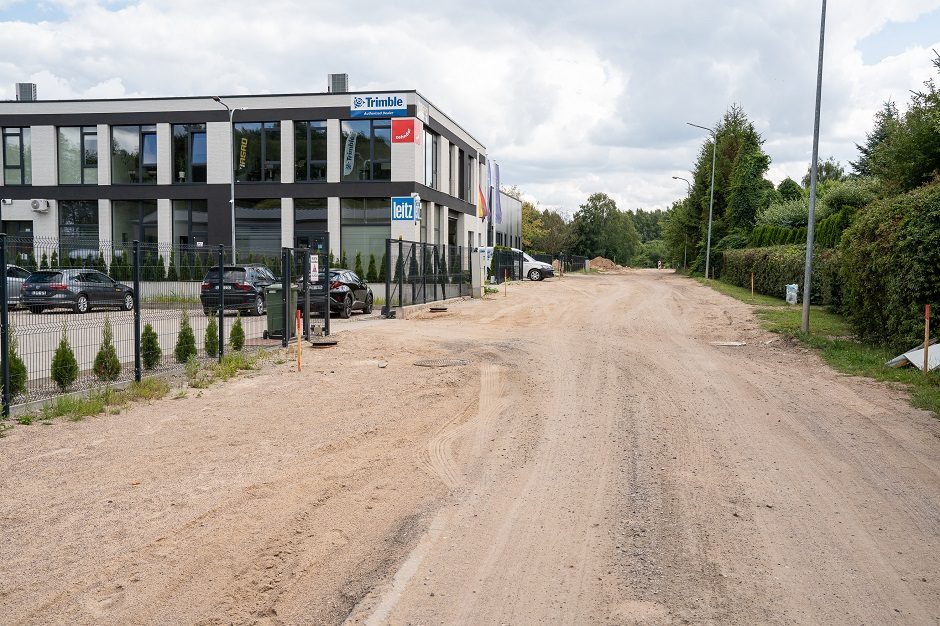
<point x="299" y="342"/>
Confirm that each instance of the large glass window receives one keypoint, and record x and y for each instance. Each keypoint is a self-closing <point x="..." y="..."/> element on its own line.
<point x="310" y="153"/>
<point x="17" y="157"/>
<point x="189" y="153"/>
<point x="257" y="152"/>
<point x="134" y="154"/>
<point x="133" y="219"/>
<point x="78" y="228"/>
<point x="258" y="226"/>
<point x="190" y="222"/>
<point x="78" y="155"/>
<point x="431" y="150"/>
<point x="310" y="218"/>
<point x="366" y="150"/>
<point x="364" y="228"/>
<point x="468" y="179"/>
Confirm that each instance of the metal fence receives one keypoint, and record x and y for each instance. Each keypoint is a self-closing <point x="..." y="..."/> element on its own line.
<point x="417" y="273"/>
<point x="506" y="265"/>
<point x="566" y="262"/>
<point x="114" y="312"/>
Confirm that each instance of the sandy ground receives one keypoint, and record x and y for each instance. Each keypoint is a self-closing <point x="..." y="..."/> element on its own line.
<point x="596" y="460"/>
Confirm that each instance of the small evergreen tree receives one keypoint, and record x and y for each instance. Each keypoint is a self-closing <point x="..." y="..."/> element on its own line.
<point x="358" y="268"/>
<point x="150" y="352"/>
<point x="31" y="262"/>
<point x="332" y="260"/>
<point x="100" y="264"/>
<point x="212" y="337"/>
<point x="64" y="366"/>
<point x="160" y="269"/>
<point x="381" y="275"/>
<point x="18" y="374"/>
<point x="371" y="274"/>
<point x="185" y="341"/>
<point x="171" y="273"/>
<point x="185" y="266"/>
<point x="107" y="367"/>
<point x="342" y="260"/>
<point x="44" y="262"/>
<point x="236" y="337"/>
<point x="54" y="262"/>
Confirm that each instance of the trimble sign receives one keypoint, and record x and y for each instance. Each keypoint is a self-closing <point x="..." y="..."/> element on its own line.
<point x="379" y="105"/>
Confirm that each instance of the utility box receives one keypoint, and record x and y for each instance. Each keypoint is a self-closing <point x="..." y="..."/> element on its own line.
<point x="476" y="274"/>
<point x="274" y="300"/>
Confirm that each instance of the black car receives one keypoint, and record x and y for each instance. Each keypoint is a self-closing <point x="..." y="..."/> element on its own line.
<point x="348" y="293"/>
<point x="243" y="286"/>
<point x="78" y="289"/>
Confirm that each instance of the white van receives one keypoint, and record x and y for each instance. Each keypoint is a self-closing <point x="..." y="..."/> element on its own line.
<point x="531" y="269"/>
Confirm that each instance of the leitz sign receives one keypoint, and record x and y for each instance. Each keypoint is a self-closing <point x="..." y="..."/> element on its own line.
<point x="404" y="207"/>
<point x="378" y="105"/>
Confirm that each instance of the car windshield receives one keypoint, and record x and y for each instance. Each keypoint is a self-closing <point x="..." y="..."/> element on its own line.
<point x="232" y="274"/>
<point x="45" y="277"/>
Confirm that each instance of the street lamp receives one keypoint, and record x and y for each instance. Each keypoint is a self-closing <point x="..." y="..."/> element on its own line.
<point x="711" y="202"/>
<point x="231" y="130"/>
<point x="685" y="251"/>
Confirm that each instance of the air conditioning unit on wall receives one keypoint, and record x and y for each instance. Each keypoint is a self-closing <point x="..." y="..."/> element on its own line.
<point x="39" y="205"/>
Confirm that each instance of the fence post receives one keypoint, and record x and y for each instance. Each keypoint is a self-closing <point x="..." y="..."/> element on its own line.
<point x="221" y="312"/>
<point x="4" y="329"/>
<point x="401" y="274"/>
<point x="388" y="278"/>
<point x="306" y="278"/>
<point x="138" y="372"/>
<point x="326" y="285"/>
<point x="285" y="294"/>
<point x="459" y="271"/>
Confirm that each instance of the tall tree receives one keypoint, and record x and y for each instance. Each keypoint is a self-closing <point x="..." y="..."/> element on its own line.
<point x="747" y="188"/>
<point x="532" y="229"/>
<point x="789" y="189"/>
<point x="829" y="170"/>
<point x="648" y="224"/>
<point x="601" y="229"/>
<point x="887" y="116"/>
<point x="556" y="233"/>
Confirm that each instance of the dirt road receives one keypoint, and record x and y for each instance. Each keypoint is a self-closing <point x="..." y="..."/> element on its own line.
<point x="596" y="460"/>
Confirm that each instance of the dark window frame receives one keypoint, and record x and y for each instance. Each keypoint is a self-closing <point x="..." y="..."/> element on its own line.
<point x="144" y="131"/>
<point x="382" y="123"/>
<point x="190" y="130"/>
<point x="16" y="131"/>
<point x="139" y="235"/>
<point x="84" y="132"/>
<point x="187" y="205"/>
<point x="275" y="127"/>
<point x="309" y="163"/>
<point x="433" y="145"/>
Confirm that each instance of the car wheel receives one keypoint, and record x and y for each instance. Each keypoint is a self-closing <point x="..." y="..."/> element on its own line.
<point x="81" y="304"/>
<point x="128" y="302"/>
<point x="535" y="274"/>
<point x="36" y="309"/>
<point x="369" y="301"/>
<point x="258" y="309"/>
<point x="346" y="311"/>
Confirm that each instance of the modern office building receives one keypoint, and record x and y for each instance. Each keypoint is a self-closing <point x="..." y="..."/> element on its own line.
<point x="160" y="170"/>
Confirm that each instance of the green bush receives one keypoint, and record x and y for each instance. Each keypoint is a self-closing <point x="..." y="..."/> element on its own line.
<point x="107" y="367"/>
<point x="236" y="337"/>
<point x="171" y="273"/>
<point x="212" y="337"/>
<point x="18" y="373"/>
<point x="381" y="275"/>
<point x="185" y="341"/>
<point x="371" y="274"/>
<point x="777" y="266"/>
<point x="64" y="366"/>
<point x="891" y="267"/>
<point x="789" y="214"/>
<point x="44" y="262"/>
<point x="358" y="265"/>
<point x="150" y="352"/>
<point x="342" y="260"/>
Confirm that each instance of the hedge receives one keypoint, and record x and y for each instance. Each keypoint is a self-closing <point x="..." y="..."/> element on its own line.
<point x="777" y="266"/>
<point x="891" y="265"/>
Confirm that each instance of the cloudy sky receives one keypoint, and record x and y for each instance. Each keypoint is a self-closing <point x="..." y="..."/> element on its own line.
<point x="570" y="98"/>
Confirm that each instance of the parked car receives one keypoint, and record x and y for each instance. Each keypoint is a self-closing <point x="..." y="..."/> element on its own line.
<point x="348" y="293"/>
<point x="16" y="276"/>
<point x="78" y="289"/>
<point x="531" y="269"/>
<point x="243" y="286"/>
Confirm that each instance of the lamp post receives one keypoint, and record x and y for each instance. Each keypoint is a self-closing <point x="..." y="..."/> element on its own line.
<point x="231" y="130"/>
<point x="810" y="226"/>
<point x="685" y="251"/>
<point x="711" y="202"/>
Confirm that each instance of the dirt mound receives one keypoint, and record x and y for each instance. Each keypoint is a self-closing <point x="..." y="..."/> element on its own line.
<point x="601" y="263"/>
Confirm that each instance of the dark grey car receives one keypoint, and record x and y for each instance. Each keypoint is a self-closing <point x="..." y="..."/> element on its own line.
<point x="76" y="289"/>
<point x="16" y="276"/>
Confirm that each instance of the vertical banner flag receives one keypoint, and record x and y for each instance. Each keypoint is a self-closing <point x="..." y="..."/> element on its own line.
<point x="482" y="210"/>
<point x="497" y="208"/>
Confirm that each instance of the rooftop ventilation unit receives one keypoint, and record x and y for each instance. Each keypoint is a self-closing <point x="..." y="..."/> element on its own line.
<point x="338" y="83"/>
<point x="26" y="92"/>
<point x="39" y="205"/>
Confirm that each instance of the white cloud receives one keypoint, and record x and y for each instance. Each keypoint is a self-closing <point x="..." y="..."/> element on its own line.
<point x="569" y="99"/>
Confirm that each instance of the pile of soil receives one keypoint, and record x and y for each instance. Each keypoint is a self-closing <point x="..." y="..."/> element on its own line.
<point x="605" y="265"/>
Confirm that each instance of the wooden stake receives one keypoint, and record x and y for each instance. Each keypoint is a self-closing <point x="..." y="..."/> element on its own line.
<point x="505" y="283"/>
<point x="752" y="284"/>
<point x="926" y="336"/>
<point x="299" y="342"/>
